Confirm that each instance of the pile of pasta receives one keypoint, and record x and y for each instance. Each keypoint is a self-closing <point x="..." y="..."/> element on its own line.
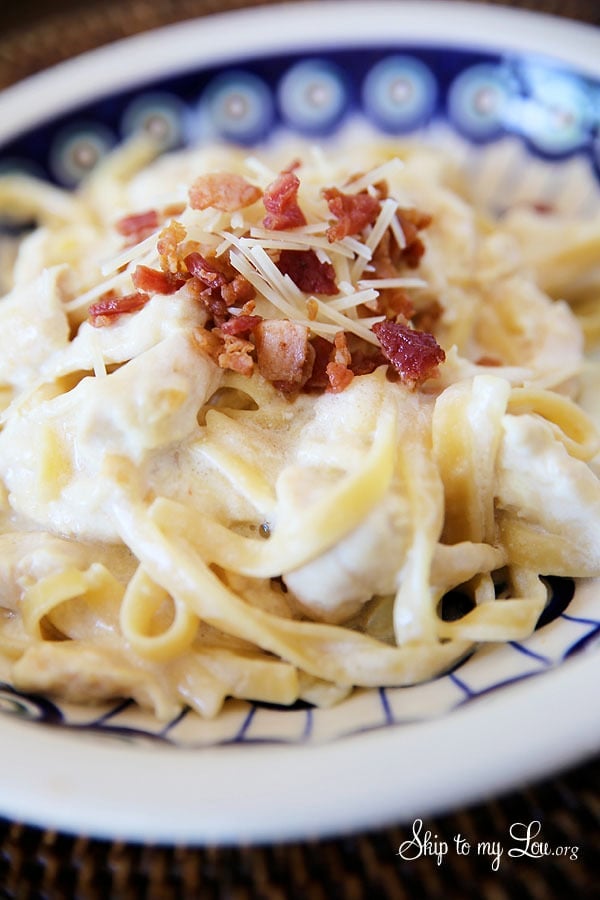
<point x="262" y="414"/>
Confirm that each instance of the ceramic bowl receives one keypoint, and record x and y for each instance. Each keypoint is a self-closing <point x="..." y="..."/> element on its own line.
<point x="519" y="94"/>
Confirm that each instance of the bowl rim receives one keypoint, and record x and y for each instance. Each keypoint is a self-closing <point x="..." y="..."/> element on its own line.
<point x="265" y="793"/>
<point x="172" y="49"/>
<point x="291" y="792"/>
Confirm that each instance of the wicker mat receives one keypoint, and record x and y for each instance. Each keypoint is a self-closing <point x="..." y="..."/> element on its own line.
<point x="44" y="864"/>
<point x="37" y="33"/>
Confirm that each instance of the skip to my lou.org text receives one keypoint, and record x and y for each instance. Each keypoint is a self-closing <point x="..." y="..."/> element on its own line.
<point x="523" y="840"/>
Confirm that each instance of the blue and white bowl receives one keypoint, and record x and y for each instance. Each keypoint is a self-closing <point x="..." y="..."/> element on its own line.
<point x="519" y="94"/>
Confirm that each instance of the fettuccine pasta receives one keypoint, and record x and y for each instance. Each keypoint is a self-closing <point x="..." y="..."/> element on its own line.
<point x="261" y="417"/>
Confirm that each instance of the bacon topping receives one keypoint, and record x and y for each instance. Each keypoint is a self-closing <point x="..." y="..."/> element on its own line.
<point x="219" y="284"/>
<point x="488" y="361"/>
<point x="334" y="364"/>
<point x="137" y="226"/>
<point x="281" y="203"/>
<point x="209" y="271"/>
<point x="227" y="348"/>
<point x="153" y="281"/>
<point x="238" y="291"/>
<point x="412" y="221"/>
<point x="352" y="211"/>
<point x="365" y="361"/>
<point x="415" y="355"/>
<point x="307" y="271"/>
<point x="544" y="209"/>
<point x="210" y="342"/>
<point x="168" y="247"/>
<point x="323" y="350"/>
<point x="338" y="370"/>
<point x="225" y="191"/>
<point x="391" y="302"/>
<point x="425" y="319"/>
<point x="237" y="355"/>
<point x="284" y="354"/>
<point x="240" y="326"/>
<point x="110" y="306"/>
<point x="339" y="377"/>
<point x="210" y="299"/>
<point x="283" y="350"/>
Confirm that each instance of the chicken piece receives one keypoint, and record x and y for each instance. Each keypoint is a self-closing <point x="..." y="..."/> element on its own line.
<point x="52" y="456"/>
<point x="127" y="336"/>
<point x="334" y="586"/>
<point x="545" y="487"/>
<point x="285" y="356"/>
<point x="33" y="324"/>
<point x="149" y="403"/>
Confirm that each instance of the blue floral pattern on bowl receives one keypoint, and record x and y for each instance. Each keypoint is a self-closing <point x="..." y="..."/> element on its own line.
<point x="570" y="625"/>
<point x="481" y="96"/>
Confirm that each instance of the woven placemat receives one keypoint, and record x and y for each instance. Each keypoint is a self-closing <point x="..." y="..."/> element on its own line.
<point x="44" y="864"/>
<point x="36" y="33"/>
<point x="37" y="864"/>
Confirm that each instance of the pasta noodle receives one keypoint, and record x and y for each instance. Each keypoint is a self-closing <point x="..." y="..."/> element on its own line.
<point x="261" y="416"/>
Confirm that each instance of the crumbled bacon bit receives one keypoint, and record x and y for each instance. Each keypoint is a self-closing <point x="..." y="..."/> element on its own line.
<point x="338" y="370"/>
<point x="238" y="291"/>
<point x="415" y="355"/>
<point x="237" y="355"/>
<point x="341" y="352"/>
<point x="153" y="281"/>
<point x="333" y="362"/>
<point x="411" y="222"/>
<point x="110" y="306"/>
<point x="168" y="246"/>
<point x="281" y="203"/>
<point x="397" y="303"/>
<point x="391" y="302"/>
<point x="219" y="284"/>
<point x="209" y="342"/>
<point x="211" y="272"/>
<point x="352" y="211"/>
<point x="284" y="354"/>
<point x="365" y="361"/>
<point x="339" y="377"/>
<point x="173" y="209"/>
<point x="544" y="209"/>
<point x="427" y="317"/>
<point x="488" y="361"/>
<point x="248" y="308"/>
<point x="413" y="254"/>
<point x="225" y="191"/>
<point x="227" y="346"/>
<point x="137" y="226"/>
<point x="210" y="299"/>
<point x="380" y="190"/>
<point x="323" y="351"/>
<point x="308" y="272"/>
<point x="386" y="257"/>
<point x="240" y="325"/>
